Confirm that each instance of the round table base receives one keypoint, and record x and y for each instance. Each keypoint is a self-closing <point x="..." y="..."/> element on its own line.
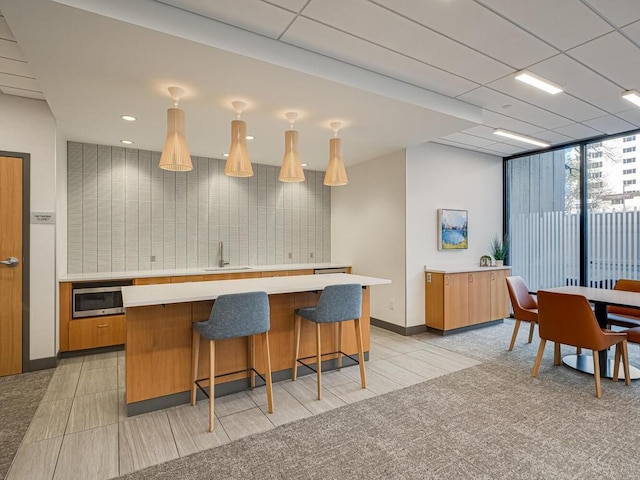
<point x="584" y="363"/>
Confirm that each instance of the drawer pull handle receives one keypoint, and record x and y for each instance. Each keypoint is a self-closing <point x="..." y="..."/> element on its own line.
<point x="103" y="325"/>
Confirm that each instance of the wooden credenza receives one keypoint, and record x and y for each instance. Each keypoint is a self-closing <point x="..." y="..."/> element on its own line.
<point x="460" y="299"/>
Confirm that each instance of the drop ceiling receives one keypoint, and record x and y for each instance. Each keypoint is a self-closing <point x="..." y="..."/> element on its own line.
<point x="396" y="72"/>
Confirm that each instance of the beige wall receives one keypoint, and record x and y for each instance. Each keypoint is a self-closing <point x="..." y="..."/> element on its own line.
<point x="368" y="230"/>
<point x="27" y="126"/>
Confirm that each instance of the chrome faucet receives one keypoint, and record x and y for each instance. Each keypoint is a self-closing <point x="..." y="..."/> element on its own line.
<point x="221" y="263"/>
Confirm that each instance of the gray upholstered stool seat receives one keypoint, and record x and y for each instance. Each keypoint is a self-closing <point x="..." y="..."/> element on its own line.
<point x="337" y="304"/>
<point x="234" y="315"/>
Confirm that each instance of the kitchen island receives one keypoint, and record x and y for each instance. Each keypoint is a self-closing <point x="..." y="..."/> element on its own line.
<point x="158" y="322"/>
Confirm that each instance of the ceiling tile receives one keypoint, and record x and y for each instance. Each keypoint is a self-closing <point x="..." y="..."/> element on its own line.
<point x="497" y="120"/>
<point x="554" y="21"/>
<point x="552" y="137"/>
<point x="292" y="5"/>
<point x="582" y="82"/>
<point x="468" y="139"/>
<point x="9" y="49"/>
<point x="632" y="116"/>
<point x="385" y="28"/>
<point x="254" y="15"/>
<point x="562" y="104"/>
<point x="317" y="37"/>
<point x="610" y="124"/>
<point x="483" y="131"/>
<point x="18" y="82"/>
<point x="492" y="100"/>
<point x="578" y="131"/>
<point x="5" y="31"/>
<point x="15" y="67"/>
<point x="613" y="56"/>
<point x="454" y="144"/>
<point x="22" y="93"/>
<point x="475" y="26"/>
<point x="620" y="12"/>
<point x="633" y="31"/>
<point x="502" y="149"/>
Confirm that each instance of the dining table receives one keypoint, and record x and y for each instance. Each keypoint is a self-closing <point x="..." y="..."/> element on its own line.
<point x="601" y="298"/>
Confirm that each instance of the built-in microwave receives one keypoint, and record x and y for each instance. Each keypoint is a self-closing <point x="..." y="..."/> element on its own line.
<point x="97" y="299"/>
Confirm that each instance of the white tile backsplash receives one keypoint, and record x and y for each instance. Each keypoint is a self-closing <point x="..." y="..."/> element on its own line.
<point x="123" y="209"/>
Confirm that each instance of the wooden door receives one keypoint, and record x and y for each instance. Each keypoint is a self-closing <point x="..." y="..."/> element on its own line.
<point x="456" y="306"/>
<point x="479" y="297"/>
<point x="10" y="274"/>
<point x="499" y="295"/>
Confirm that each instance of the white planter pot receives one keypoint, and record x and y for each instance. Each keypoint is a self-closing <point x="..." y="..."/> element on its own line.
<point x="499" y="263"/>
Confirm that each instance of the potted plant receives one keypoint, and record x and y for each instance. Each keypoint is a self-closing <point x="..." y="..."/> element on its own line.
<point x="499" y="248"/>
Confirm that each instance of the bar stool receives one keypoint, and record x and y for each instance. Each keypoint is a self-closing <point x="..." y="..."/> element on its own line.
<point x="233" y="315"/>
<point x="337" y="304"/>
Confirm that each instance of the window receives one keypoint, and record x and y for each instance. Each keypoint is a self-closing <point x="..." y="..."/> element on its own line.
<point x="629" y="171"/>
<point x="595" y="174"/>
<point x="629" y="160"/>
<point x="629" y="139"/>
<point x="617" y="201"/>
<point x="629" y="182"/>
<point x="628" y="149"/>
<point x="595" y="165"/>
<point x="595" y="154"/>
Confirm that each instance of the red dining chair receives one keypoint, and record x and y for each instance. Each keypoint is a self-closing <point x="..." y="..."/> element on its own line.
<point x="568" y="319"/>
<point x="624" y="316"/>
<point x="525" y="306"/>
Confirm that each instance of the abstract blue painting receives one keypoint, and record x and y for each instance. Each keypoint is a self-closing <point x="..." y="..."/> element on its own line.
<point x="453" y="232"/>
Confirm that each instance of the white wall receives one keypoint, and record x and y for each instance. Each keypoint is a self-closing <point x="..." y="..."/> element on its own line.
<point x="439" y="176"/>
<point x="27" y="126"/>
<point x="368" y="229"/>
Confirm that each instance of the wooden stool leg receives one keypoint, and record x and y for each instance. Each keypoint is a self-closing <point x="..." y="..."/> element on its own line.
<point x="195" y="355"/>
<point x="296" y="334"/>
<point x="251" y="348"/>
<point x="339" y="345"/>
<point x="319" y="361"/>
<point x="625" y="363"/>
<point x="536" y="365"/>
<point x="616" y="362"/>
<point x="531" y="328"/>
<point x="515" y="334"/>
<point x="596" y="372"/>
<point x="556" y="354"/>
<point x="267" y="361"/>
<point x="363" y="378"/>
<point x="578" y="350"/>
<point x="212" y="381"/>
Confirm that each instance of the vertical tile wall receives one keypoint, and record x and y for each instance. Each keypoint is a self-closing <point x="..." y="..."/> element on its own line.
<point x="123" y="210"/>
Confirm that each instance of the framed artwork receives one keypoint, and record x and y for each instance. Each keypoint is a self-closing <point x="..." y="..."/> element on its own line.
<point x="452" y="229"/>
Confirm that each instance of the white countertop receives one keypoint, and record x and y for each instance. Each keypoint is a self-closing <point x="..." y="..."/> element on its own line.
<point x="145" y="295"/>
<point x="462" y="269"/>
<point x="89" y="277"/>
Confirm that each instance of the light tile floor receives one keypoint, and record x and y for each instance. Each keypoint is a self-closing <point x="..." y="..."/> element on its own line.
<point x="81" y="430"/>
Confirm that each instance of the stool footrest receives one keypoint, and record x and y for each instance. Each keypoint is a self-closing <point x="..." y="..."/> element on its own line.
<point x="197" y="382"/>
<point x="299" y="360"/>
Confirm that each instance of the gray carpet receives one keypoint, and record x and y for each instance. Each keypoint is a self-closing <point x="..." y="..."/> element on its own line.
<point x="486" y="422"/>
<point x="20" y="396"/>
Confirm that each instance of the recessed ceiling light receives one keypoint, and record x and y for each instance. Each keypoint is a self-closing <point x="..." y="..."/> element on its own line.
<point x="632" y="95"/>
<point x="521" y="138"/>
<point x="250" y="137"/>
<point x="225" y="155"/>
<point x="305" y="164"/>
<point x="128" y="118"/>
<point x="127" y="142"/>
<point x="538" y="82"/>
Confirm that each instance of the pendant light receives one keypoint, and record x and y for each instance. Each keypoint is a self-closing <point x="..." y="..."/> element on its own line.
<point x="175" y="154"/>
<point x="238" y="162"/>
<point x="336" y="175"/>
<point x="291" y="170"/>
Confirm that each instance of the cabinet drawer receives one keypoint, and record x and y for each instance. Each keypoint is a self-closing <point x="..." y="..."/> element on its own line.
<point x="97" y="332"/>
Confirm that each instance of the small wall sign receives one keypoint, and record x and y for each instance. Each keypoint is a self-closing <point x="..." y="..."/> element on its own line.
<point x="43" y="217"/>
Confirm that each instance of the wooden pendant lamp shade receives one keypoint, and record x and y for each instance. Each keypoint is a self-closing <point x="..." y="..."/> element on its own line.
<point x="175" y="153"/>
<point x="238" y="162"/>
<point x="291" y="169"/>
<point x="336" y="174"/>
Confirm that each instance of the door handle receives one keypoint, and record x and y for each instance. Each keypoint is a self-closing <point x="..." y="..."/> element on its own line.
<point x="10" y="262"/>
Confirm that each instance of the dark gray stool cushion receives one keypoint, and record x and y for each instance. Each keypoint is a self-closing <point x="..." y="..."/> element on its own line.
<point x="337" y="303"/>
<point x="236" y="315"/>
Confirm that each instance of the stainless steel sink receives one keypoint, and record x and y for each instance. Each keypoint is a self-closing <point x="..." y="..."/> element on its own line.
<point x="224" y="269"/>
